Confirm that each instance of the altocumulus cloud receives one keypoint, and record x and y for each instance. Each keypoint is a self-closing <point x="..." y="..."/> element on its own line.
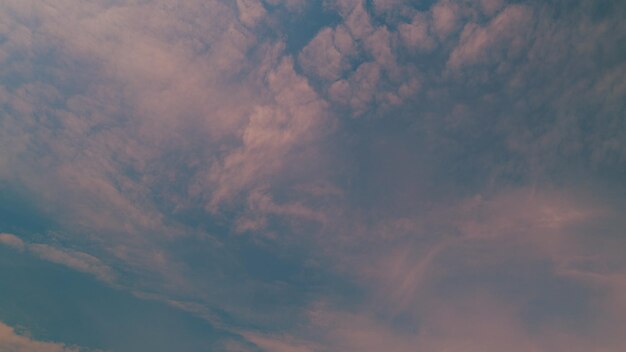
<point x="333" y="175"/>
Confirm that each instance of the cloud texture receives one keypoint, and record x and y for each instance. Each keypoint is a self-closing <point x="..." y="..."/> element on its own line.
<point x="332" y="175"/>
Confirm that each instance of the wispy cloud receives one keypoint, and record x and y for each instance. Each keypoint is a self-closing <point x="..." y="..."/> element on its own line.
<point x="72" y="259"/>
<point x="75" y="260"/>
<point x="11" y="241"/>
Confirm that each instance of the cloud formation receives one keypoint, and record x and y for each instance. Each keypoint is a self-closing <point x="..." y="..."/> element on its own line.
<point x="75" y="260"/>
<point x="11" y="240"/>
<point x="12" y="342"/>
<point x="329" y="176"/>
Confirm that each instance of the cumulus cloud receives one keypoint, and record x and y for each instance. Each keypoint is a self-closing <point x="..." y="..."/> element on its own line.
<point x="295" y="117"/>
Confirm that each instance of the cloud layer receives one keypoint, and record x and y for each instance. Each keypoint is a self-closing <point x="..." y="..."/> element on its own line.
<point x="328" y="176"/>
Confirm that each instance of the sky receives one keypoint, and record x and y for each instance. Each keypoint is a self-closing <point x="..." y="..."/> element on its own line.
<point x="312" y="176"/>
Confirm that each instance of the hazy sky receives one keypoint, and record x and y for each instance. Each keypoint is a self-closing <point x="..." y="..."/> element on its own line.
<point x="312" y="176"/>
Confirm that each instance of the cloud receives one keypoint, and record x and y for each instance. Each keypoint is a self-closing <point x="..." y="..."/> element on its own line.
<point x="488" y="260"/>
<point x="327" y="55"/>
<point x="11" y="241"/>
<point x="495" y="275"/>
<point x="250" y="12"/>
<point x="72" y="259"/>
<point x="75" y="260"/>
<point x="506" y="32"/>
<point x="12" y="342"/>
<point x="276" y="344"/>
<point x="296" y="117"/>
<point x="120" y="134"/>
<point x="417" y="34"/>
<point x="477" y="323"/>
<point x="358" y="91"/>
<point x="296" y="6"/>
<point x="490" y="7"/>
<point x="153" y="132"/>
<point x="445" y="18"/>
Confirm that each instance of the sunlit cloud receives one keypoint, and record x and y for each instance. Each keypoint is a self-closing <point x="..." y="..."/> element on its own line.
<point x="10" y="341"/>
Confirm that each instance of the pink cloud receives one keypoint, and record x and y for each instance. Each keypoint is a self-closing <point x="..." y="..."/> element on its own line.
<point x="251" y="12"/>
<point x="12" y="241"/>
<point x="327" y="55"/>
<point x="10" y="341"/>
<point x="417" y="34"/>
<point x="445" y="18"/>
<point x="507" y="31"/>
<point x="295" y="117"/>
<point x="278" y="344"/>
<point x="490" y="7"/>
<point x="75" y="260"/>
<point x="72" y="259"/>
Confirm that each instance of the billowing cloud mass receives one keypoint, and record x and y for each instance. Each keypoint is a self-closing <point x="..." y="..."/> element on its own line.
<point x="337" y="175"/>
